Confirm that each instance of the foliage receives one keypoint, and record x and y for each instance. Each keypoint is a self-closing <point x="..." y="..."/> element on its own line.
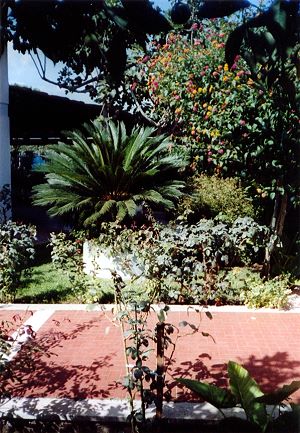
<point x="268" y="39"/>
<point x="112" y="177"/>
<point x="244" y="392"/>
<point x="215" y="197"/>
<point x="93" y="47"/>
<point x="272" y="293"/>
<point x="102" y="34"/>
<point x="16" y="255"/>
<point x="140" y="341"/>
<point x="232" y="124"/>
<point x="248" y="237"/>
<point x="183" y="262"/>
<point x="140" y="379"/>
<point x="5" y="203"/>
<point x="67" y="258"/>
<point x="245" y="286"/>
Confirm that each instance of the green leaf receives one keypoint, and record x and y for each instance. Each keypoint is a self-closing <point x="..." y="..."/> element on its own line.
<point x="280" y="394"/>
<point x="161" y="315"/>
<point x="144" y="18"/>
<point x="246" y="390"/>
<point x="220" y="8"/>
<point x="219" y="397"/>
<point x="233" y="44"/>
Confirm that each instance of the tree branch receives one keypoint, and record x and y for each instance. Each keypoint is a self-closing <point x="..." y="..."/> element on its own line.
<point x="41" y="70"/>
<point x="141" y="111"/>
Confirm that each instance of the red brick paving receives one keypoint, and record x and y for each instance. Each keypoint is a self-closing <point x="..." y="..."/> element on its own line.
<point x="84" y="357"/>
<point x="12" y="319"/>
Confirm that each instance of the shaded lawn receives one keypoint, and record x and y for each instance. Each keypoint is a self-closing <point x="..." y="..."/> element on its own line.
<point x="45" y="284"/>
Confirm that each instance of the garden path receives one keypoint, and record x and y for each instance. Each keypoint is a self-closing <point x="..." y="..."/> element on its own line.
<point x="82" y="356"/>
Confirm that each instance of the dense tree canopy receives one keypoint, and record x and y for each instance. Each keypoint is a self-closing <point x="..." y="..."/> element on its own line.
<point x="92" y="37"/>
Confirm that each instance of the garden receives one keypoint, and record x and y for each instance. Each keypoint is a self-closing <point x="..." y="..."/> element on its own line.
<point x="186" y="192"/>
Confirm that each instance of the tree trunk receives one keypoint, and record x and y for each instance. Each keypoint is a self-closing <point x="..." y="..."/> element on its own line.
<point x="281" y="215"/>
<point x="277" y="225"/>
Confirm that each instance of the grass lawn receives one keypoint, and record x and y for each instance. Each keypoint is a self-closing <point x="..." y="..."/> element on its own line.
<point x="46" y="284"/>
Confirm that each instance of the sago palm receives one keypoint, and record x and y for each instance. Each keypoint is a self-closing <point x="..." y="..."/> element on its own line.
<point x="105" y="173"/>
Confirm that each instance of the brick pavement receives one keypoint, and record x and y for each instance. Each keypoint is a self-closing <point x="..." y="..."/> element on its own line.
<point x="83" y="352"/>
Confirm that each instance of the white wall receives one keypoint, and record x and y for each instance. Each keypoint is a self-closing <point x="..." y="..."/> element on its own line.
<point x="5" y="162"/>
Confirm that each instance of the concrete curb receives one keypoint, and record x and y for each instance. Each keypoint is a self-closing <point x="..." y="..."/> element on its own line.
<point x="107" y="411"/>
<point x="173" y="308"/>
<point x="112" y="410"/>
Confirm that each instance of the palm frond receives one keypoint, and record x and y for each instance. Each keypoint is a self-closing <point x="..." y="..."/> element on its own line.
<point x="105" y="173"/>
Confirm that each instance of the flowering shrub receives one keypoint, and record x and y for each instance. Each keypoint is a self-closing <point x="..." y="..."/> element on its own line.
<point x="232" y="124"/>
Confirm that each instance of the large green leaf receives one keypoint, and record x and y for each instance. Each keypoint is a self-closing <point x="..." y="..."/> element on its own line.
<point x="280" y="394"/>
<point x="220" y="8"/>
<point x="144" y="18"/>
<point x="246" y="390"/>
<point x="233" y="44"/>
<point x="219" y="397"/>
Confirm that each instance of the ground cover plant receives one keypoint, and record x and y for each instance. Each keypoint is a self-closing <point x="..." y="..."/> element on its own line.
<point x="44" y="285"/>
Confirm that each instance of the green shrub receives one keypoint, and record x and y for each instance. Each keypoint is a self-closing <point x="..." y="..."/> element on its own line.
<point x="245" y="286"/>
<point x="183" y="262"/>
<point x="16" y="256"/>
<point x="215" y="197"/>
<point x="107" y="173"/>
<point x="5" y="203"/>
<point x="270" y="294"/>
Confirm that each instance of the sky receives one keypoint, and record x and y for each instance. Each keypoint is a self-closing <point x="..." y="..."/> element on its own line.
<point x="22" y="71"/>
